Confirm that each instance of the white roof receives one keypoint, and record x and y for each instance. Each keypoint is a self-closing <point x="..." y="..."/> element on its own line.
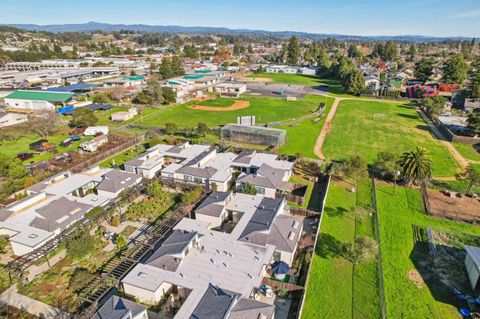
<point x="474" y="253"/>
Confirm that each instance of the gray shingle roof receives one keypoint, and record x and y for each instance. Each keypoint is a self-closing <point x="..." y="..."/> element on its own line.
<point x="116" y="180"/>
<point x="59" y="213"/>
<point x="118" y="308"/>
<point x="247" y="308"/>
<point x="174" y="244"/>
<point x="212" y="205"/>
<point x="216" y="303"/>
<point x="263" y="216"/>
<point x="206" y="172"/>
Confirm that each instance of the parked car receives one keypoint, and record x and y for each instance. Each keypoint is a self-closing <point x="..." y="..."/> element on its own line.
<point x="66" y="142"/>
<point x="75" y="138"/>
<point x="24" y="156"/>
<point x="38" y="145"/>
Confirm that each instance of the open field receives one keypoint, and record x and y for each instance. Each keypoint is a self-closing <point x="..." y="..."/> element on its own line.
<point x="336" y="288"/>
<point x="264" y="108"/>
<point x="331" y="86"/>
<point x="222" y="106"/>
<point x="406" y="296"/>
<point x="302" y="136"/>
<point x="366" y="128"/>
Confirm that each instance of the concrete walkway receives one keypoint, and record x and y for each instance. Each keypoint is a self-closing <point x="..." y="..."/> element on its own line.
<point x="34" y="307"/>
<point x="35" y="270"/>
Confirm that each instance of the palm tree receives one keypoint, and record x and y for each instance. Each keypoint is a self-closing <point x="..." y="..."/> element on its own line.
<point x="416" y="166"/>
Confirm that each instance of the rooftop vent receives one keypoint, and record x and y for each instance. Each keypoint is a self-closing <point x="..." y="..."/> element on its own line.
<point x="291" y="235"/>
<point x="142" y="275"/>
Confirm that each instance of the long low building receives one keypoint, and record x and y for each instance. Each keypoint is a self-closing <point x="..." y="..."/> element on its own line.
<point x="203" y="165"/>
<point x="56" y="203"/>
<point x="37" y="100"/>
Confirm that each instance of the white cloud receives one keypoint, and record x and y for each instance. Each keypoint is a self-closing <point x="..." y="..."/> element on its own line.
<point x="466" y="14"/>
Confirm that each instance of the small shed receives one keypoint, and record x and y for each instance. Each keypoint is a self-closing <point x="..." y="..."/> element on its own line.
<point x="472" y="262"/>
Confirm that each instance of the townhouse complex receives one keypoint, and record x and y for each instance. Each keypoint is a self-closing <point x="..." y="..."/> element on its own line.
<point x="51" y="206"/>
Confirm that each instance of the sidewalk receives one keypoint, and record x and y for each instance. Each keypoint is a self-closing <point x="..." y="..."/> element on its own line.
<point x="34" y="307"/>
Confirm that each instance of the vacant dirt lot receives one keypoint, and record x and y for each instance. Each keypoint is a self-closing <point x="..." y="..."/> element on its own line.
<point x="464" y="209"/>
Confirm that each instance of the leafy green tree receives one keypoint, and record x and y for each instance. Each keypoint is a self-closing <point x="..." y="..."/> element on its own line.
<point x="424" y="68"/>
<point x="192" y="196"/>
<point x="169" y="96"/>
<point x="416" y="166"/>
<point x="165" y="70"/>
<point x="386" y="164"/>
<point x="378" y="49"/>
<point x="100" y="98"/>
<point x="247" y="188"/>
<point x="293" y="51"/>
<point x="154" y="189"/>
<point x="81" y="244"/>
<point x="356" y="167"/>
<point x="354" y="83"/>
<point x="412" y="52"/>
<point x="433" y="105"/>
<point x="390" y="51"/>
<point x="323" y="61"/>
<point x="115" y="221"/>
<point x="472" y="176"/>
<point x="142" y="98"/>
<point x="177" y="67"/>
<point x="364" y="248"/>
<point x="455" y="69"/>
<point x="202" y="129"/>
<point x="121" y="241"/>
<point x="474" y="84"/>
<point x="353" y="51"/>
<point x="170" y="128"/>
<point x="80" y="278"/>
<point x="473" y="122"/>
<point x="83" y="117"/>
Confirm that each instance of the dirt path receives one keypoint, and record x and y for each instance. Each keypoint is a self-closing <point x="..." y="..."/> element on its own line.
<point x="326" y="129"/>
<point x="237" y="105"/>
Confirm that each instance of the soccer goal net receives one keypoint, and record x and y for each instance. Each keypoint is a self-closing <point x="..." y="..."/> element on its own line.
<point x="379" y="116"/>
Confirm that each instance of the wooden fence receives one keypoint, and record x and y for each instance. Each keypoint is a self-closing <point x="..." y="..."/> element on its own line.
<point x="107" y="154"/>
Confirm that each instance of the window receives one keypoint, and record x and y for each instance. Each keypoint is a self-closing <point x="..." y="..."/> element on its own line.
<point x="277" y="256"/>
<point x="197" y="180"/>
<point x="188" y="178"/>
<point x="260" y="190"/>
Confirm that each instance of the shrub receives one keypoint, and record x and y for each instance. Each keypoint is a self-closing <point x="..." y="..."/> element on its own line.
<point x="115" y="221"/>
<point x="80" y="245"/>
<point x="192" y="196"/>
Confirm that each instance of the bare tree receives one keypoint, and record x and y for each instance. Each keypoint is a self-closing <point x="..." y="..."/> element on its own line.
<point x="43" y="124"/>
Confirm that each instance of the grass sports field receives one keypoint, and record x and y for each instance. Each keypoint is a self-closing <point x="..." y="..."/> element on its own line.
<point x="397" y="214"/>
<point x="333" y="86"/>
<point x="302" y="136"/>
<point x="366" y="128"/>
<point x="266" y="109"/>
<point x="220" y="102"/>
<point x="336" y="288"/>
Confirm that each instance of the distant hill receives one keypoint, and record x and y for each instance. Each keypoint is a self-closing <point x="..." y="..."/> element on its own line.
<point x="94" y="26"/>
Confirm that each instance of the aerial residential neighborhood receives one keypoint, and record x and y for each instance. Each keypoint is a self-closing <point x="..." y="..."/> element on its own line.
<point x="264" y="160"/>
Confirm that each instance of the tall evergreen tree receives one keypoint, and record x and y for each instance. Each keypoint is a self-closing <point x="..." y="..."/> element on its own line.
<point x="424" y="68"/>
<point x="455" y="69"/>
<point x="293" y="51"/>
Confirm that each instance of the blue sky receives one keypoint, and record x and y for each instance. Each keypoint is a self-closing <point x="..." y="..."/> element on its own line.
<point x="357" y="17"/>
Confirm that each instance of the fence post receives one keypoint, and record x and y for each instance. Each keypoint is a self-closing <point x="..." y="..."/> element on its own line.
<point x="377" y="235"/>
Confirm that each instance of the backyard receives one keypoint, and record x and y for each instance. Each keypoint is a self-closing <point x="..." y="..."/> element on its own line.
<point x="410" y="292"/>
<point x="337" y="288"/>
<point x="366" y="128"/>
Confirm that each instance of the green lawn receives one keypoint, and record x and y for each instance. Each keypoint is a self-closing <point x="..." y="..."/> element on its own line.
<point x="266" y="109"/>
<point x="397" y="215"/>
<point x="366" y="128"/>
<point x="302" y="136"/>
<point x="467" y="151"/>
<point x="332" y="86"/>
<point x="22" y="144"/>
<point x="335" y="289"/>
